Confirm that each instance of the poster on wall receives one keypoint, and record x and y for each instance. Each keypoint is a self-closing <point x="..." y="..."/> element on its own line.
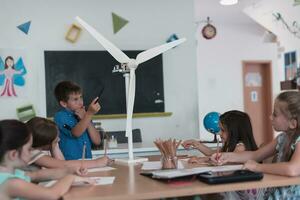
<point x="13" y="73"/>
<point x="253" y="79"/>
<point x="290" y="65"/>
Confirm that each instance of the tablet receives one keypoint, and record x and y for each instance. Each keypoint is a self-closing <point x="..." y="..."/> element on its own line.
<point x="230" y="176"/>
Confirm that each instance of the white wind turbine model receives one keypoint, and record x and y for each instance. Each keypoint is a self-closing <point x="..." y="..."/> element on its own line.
<point x="131" y="65"/>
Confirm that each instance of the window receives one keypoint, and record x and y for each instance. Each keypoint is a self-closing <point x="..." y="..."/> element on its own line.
<point x="290" y="65"/>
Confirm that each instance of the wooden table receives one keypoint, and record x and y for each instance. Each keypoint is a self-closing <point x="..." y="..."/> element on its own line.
<point x="142" y="149"/>
<point x="129" y="184"/>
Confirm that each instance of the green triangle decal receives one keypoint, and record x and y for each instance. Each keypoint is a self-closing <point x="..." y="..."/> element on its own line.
<point x="118" y="22"/>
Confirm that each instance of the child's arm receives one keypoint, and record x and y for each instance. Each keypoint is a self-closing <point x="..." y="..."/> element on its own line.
<point x="242" y="157"/>
<point x="198" y="160"/>
<point x="50" y="174"/>
<point x="198" y="145"/>
<point x="49" y="162"/>
<point x="85" y="122"/>
<point x="94" y="134"/>
<point x="23" y="189"/>
<point x="93" y="108"/>
<point x="289" y="168"/>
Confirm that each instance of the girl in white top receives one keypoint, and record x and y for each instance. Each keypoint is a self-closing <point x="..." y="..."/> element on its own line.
<point x="285" y="149"/>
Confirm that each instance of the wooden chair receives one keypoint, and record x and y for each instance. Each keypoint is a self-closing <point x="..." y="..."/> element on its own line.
<point x="121" y="138"/>
<point x="118" y="135"/>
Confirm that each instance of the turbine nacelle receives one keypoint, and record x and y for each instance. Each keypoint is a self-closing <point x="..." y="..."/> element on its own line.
<point x="125" y="67"/>
<point x="132" y="64"/>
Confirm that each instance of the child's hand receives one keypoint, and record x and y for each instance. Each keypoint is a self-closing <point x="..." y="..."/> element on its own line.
<point x="252" y="166"/>
<point x="218" y="158"/>
<point x="189" y="143"/>
<point x="80" y="112"/>
<point x="110" y="162"/>
<point x="87" y="180"/>
<point x="94" y="107"/>
<point x="193" y="160"/>
<point x="80" y="171"/>
<point x="105" y="161"/>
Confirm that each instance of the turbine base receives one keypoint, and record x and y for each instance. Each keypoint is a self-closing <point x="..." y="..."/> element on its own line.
<point x="128" y="161"/>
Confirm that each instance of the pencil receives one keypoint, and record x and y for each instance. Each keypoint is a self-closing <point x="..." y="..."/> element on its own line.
<point x="217" y="156"/>
<point x="83" y="154"/>
<point x="105" y="146"/>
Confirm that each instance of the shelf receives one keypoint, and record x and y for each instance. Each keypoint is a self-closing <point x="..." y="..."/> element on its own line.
<point x="135" y="115"/>
<point x="288" y="85"/>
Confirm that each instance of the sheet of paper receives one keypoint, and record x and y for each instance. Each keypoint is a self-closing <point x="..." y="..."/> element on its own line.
<point x="154" y="165"/>
<point x="151" y="165"/>
<point x="100" y="169"/>
<point x="105" y="180"/>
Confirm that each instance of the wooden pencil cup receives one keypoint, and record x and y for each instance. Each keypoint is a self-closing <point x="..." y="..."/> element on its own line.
<point x="169" y="162"/>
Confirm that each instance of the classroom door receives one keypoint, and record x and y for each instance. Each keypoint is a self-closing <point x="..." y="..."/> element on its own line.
<point x="258" y="98"/>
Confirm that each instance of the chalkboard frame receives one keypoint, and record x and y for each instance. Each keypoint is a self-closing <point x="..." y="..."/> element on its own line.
<point x="149" y="78"/>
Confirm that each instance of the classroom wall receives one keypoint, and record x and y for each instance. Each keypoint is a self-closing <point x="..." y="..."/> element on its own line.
<point x="150" y="24"/>
<point x="199" y="76"/>
<point x="219" y="60"/>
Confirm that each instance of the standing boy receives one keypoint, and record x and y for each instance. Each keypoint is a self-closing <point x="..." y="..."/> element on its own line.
<point x="74" y="122"/>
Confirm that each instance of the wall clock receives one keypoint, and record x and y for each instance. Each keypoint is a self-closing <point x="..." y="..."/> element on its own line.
<point x="209" y="31"/>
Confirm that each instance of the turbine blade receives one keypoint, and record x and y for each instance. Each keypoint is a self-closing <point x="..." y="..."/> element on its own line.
<point x="130" y="103"/>
<point x="150" y="53"/>
<point x="110" y="47"/>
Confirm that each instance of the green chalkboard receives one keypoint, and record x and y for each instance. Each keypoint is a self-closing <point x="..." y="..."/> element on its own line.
<point x="92" y="70"/>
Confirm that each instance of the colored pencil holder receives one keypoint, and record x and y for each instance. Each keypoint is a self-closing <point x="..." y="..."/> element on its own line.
<point x="169" y="162"/>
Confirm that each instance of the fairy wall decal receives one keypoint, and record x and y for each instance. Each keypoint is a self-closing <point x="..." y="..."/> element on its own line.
<point x="11" y="74"/>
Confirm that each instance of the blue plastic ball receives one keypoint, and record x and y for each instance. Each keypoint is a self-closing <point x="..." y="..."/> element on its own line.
<point x="211" y="122"/>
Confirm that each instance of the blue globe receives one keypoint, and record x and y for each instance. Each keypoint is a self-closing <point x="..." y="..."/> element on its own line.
<point x="211" y="122"/>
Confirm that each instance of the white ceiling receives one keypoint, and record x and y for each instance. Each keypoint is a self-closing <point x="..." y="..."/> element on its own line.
<point x="223" y="14"/>
<point x="263" y="12"/>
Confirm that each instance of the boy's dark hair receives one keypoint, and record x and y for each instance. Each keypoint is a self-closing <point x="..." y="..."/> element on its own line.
<point x="14" y="134"/>
<point x="43" y="131"/>
<point x="239" y="129"/>
<point x="64" y="89"/>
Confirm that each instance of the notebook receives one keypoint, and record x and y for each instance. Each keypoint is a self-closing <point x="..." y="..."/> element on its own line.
<point x="229" y="176"/>
<point x="177" y="173"/>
